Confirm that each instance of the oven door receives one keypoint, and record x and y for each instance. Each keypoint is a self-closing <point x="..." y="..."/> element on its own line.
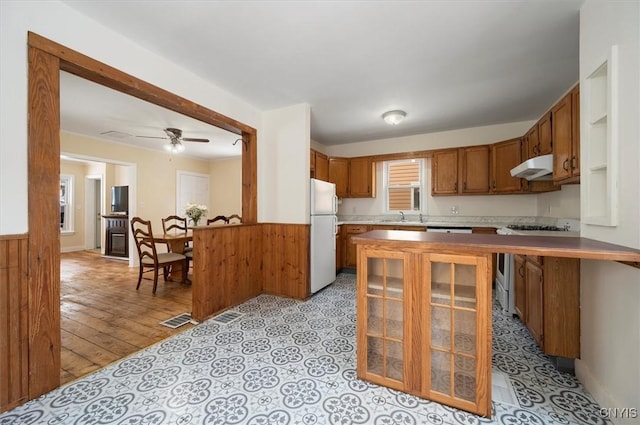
<point x="504" y="282"/>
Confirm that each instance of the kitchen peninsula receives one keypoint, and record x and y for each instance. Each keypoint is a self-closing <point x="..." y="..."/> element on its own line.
<point x="424" y="308"/>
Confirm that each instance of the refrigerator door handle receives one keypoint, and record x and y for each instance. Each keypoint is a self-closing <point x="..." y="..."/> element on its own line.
<point x="335" y="226"/>
<point x="335" y="204"/>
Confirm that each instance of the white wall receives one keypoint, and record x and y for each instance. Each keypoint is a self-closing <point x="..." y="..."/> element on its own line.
<point x="445" y="139"/>
<point x="610" y="292"/>
<point x="60" y="23"/>
<point x="283" y="171"/>
<point x="226" y="187"/>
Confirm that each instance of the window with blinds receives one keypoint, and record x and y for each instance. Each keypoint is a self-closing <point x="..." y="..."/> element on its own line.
<point x="404" y="185"/>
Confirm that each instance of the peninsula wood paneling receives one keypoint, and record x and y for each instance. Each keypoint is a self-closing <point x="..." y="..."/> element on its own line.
<point x="237" y="262"/>
<point x="286" y="259"/>
<point x="14" y="336"/>
<point x="226" y="267"/>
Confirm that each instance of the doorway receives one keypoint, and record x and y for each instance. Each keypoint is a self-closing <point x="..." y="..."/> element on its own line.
<point x="94" y="211"/>
<point x="46" y="59"/>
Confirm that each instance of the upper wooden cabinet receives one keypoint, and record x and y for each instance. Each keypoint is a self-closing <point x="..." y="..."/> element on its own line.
<point x="353" y="177"/>
<point x="531" y="143"/>
<point x="361" y="178"/>
<point x="504" y="156"/>
<point x="475" y="169"/>
<point x="339" y="175"/>
<point x="444" y="172"/>
<point x="566" y="127"/>
<point x="319" y="165"/>
<point x="461" y="171"/>
<point x="545" y="138"/>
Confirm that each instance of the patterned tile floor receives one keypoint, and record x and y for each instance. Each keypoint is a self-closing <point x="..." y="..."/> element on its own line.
<point x="291" y="362"/>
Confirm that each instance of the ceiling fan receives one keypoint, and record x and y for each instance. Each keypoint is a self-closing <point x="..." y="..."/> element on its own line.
<point x="175" y="139"/>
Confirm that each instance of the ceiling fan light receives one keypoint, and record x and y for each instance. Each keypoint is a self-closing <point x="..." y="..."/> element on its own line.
<point x="174" y="146"/>
<point x="394" y="117"/>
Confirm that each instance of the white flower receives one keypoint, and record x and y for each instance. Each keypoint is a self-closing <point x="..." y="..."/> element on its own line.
<point x="195" y="211"/>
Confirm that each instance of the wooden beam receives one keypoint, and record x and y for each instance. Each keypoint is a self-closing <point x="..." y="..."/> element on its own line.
<point x="44" y="222"/>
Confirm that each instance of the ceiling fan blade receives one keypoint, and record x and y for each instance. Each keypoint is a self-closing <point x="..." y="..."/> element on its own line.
<point x="152" y="137"/>
<point x="189" y="139"/>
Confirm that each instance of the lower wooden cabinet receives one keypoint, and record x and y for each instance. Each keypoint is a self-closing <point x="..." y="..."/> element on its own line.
<point x="350" y="253"/>
<point x="424" y="325"/>
<point x="547" y="300"/>
<point x="339" y="249"/>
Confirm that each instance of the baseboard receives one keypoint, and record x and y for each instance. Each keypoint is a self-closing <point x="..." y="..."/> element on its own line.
<point x="601" y="395"/>
<point x="72" y="248"/>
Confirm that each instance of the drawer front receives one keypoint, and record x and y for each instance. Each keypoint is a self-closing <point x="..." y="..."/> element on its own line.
<point x="356" y="228"/>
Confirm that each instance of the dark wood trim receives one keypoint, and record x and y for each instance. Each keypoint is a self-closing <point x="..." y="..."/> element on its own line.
<point x="83" y="66"/>
<point x="635" y="264"/>
<point x="46" y="59"/>
<point x="44" y="229"/>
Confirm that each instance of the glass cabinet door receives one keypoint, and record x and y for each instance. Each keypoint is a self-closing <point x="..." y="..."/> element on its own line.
<point x="458" y="330"/>
<point x="381" y="308"/>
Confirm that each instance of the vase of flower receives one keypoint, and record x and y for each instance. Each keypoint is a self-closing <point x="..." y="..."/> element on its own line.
<point x="195" y="212"/>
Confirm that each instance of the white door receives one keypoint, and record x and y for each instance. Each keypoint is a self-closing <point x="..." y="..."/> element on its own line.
<point x="191" y="188"/>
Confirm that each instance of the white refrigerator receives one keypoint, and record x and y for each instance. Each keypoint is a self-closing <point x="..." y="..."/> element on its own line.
<point x="324" y="224"/>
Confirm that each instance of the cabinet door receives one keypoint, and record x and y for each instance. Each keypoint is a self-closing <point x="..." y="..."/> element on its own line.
<point x="533" y="143"/>
<point x="575" y="131"/>
<point x="545" y="141"/>
<point x="457" y="329"/>
<point x="322" y="166"/>
<point x="361" y="178"/>
<point x="535" y="318"/>
<point x="350" y="248"/>
<point x="339" y="249"/>
<point x="520" y="288"/>
<point x="382" y="314"/>
<point x="339" y="175"/>
<point x="312" y="164"/>
<point x="475" y="169"/>
<point x="505" y="156"/>
<point x="561" y="129"/>
<point x="444" y="172"/>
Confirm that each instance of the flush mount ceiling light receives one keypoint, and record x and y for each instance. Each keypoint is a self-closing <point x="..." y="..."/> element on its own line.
<point x="394" y="117"/>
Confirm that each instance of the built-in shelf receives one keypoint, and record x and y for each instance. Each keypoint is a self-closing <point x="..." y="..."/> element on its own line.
<point x="598" y="167"/>
<point x="599" y="144"/>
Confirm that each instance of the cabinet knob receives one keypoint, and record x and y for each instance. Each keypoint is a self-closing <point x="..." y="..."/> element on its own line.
<point x="574" y="161"/>
<point x="565" y="165"/>
<point x="455" y="186"/>
<point x="464" y="186"/>
<point x="521" y="271"/>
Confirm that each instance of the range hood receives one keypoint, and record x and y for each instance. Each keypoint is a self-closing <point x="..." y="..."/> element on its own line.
<point x="538" y="168"/>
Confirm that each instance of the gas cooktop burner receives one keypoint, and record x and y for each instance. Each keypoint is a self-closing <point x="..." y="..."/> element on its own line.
<point x="536" y="227"/>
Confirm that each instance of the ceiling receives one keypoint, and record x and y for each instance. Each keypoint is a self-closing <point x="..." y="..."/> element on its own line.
<point x="448" y="64"/>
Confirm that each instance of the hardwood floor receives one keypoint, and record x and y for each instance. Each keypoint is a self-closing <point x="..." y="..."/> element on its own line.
<point x="104" y="318"/>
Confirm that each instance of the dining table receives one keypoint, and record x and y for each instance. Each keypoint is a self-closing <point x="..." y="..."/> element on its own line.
<point x="176" y="242"/>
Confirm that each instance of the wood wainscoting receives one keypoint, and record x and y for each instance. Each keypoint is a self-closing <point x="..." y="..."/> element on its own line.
<point x="237" y="262"/>
<point x="14" y="336"/>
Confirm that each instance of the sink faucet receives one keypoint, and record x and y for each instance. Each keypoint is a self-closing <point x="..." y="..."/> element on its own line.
<point x="402" y="216"/>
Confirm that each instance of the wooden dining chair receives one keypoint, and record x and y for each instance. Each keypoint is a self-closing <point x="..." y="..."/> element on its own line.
<point x="176" y="224"/>
<point x="231" y="219"/>
<point x="217" y="218"/>
<point x="150" y="259"/>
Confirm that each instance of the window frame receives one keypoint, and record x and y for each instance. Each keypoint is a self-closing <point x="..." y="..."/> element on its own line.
<point x="420" y="186"/>
<point x="67" y="224"/>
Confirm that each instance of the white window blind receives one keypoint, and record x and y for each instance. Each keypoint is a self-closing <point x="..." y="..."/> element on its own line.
<point x="404" y="185"/>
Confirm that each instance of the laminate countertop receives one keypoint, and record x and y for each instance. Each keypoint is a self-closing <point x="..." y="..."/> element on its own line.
<point x="549" y="246"/>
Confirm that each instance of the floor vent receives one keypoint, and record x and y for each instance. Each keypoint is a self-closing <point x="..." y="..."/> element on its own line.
<point x="177" y="321"/>
<point x="227" y="317"/>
